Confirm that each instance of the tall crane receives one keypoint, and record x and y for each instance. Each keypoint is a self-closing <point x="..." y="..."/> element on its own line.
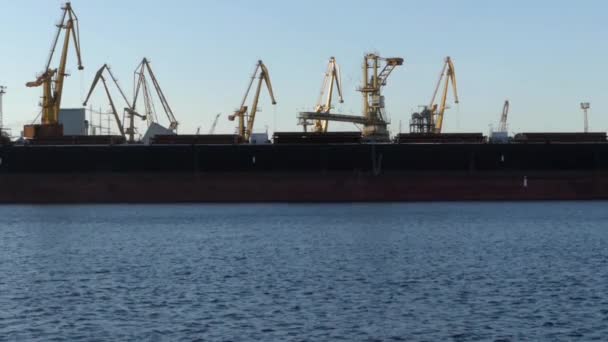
<point x="447" y="78"/>
<point x="376" y="71"/>
<point x="214" y="125"/>
<point x="129" y="132"/>
<point x="331" y="80"/>
<point x="52" y="80"/>
<point x="502" y="127"/>
<point x="246" y="129"/>
<point x="142" y="73"/>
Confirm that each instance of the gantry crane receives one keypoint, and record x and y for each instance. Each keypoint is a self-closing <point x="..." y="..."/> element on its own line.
<point x="52" y="80"/>
<point x="447" y="77"/>
<point x="246" y="129"/>
<point x="141" y="85"/>
<point x="130" y="131"/>
<point x="502" y="126"/>
<point x="214" y="125"/>
<point x="331" y="80"/>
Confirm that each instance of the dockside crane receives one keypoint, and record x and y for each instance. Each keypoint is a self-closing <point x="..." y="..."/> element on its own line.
<point x="52" y="80"/>
<point x="446" y="78"/>
<point x="143" y="72"/>
<point x="376" y="71"/>
<point x="214" y="125"/>
<point x="502" y="126"/>
<point x="99" y="76"/>
<point x="245" y="129"/>
<point x="331" y="80"/>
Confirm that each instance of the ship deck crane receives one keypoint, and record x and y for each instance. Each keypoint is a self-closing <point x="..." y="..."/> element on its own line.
<point x="142" y="86"/>
<point x="243" y="113"/>
<point x="502" y="127"/>
<point x="331" y="80"/>
<point x="52" y="80"/>
<point x="447" y="78"/>
<point x="130" y="131"/>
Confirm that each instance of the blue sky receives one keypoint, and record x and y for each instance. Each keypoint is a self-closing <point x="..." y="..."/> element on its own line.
<point x="544" y="56"/>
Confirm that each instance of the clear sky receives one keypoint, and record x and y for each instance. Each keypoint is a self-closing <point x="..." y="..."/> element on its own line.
<point x="544" y="56"/>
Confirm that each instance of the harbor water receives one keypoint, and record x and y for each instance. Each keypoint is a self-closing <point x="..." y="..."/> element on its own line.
<point x="360" y="272"/>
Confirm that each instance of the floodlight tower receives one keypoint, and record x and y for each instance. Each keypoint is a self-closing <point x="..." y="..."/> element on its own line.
<point x="2" y="92"/>
<point x="585" y="106"/>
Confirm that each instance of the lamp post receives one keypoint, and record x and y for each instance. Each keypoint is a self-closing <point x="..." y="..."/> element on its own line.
<point x="585" y="106"/>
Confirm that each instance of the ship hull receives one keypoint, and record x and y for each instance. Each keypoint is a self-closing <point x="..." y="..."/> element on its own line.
<point x="353" y="173"/>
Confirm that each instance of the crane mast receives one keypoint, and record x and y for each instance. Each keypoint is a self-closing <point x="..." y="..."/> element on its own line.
<point x="331" y="80"/>
<point x="247" y="118"/>
<point x="142" y="86"/>
<point x="502" y="127"/>
<point x="446" y="78"/>
<point x="52" y="80"/>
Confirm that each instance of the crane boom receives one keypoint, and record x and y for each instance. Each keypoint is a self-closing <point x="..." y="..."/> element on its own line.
<point x="99" y="77"/>
<point x="447" y="78"/>
<point x="502" y="127"/>
<point x="52" y="80"/>
<point x="331" y="80"/>
<point x="142" y="86"/>
<point x="214" y="125"/>
<point x="245" y="128"/>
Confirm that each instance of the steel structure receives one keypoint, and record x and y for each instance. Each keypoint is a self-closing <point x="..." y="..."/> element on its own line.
<point x="52" y="80"/>
<point x="214" y="125"/>
<point x="502" y="126"/>
<point x="129" y="132"/>
<point x="245" y="129"/>
<point x="143" y="72"/>
<point x="331" y="80"/>
<point x="376" y="71"/>
<point x="447" y="77"/>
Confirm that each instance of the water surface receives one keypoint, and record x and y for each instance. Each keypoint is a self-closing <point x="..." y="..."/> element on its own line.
<point x="366" y="272"/>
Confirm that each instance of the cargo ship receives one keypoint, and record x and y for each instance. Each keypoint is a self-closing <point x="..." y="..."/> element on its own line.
<point x="288" y="171"/>
<point x="58" y="161"/>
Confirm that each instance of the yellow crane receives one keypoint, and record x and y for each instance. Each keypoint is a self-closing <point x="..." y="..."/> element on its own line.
<point x="331" y="80"/>
<point x="246" y="129"/>
<point x="142" y="86"/>
<point x="52" y="80"/>
<point x="447" y="78"/>
<point x="130" y="131"/>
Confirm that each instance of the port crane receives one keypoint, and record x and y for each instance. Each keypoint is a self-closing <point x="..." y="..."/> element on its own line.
<point x="446" y="78"/>
<point x="331" y="80"/>
<point x="99" y="76"/>
<point x="143" y="72"/>
<point x="376" y="71"/>
<point x="246" y="129"/>
<point x="214" y="125"/>
<point x="502" y="126"/>
<point x="52" y="80"/>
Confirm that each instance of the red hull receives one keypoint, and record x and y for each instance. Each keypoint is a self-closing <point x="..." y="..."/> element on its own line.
<point x="300" y="187"/>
